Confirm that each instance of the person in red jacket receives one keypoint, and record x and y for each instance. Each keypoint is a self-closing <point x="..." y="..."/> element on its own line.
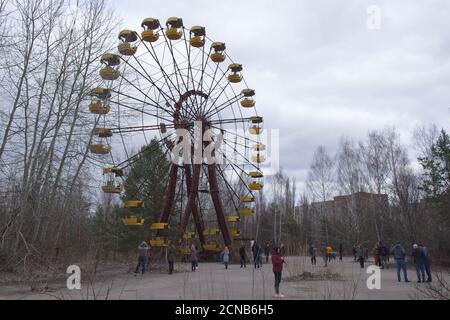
<point x="277" y="263"/>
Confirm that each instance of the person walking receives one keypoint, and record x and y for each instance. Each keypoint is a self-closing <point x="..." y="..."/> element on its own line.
<point x="361" y="255"/>
<point x="267" y="252"/>
<point x="329" y="253"/>
<point x="419" y="262"/>
<point x="384" y="252"/>
<point x="354" y="253"/>
<point x="277" y="263"/>
<point x="171" y="252"/>
<point x="143" y="249"/>
<point x="341" y="252"/>
<point x="399" y="256"/>
<point x="427" y="262"/>
<point x="243" y="256"/>
<point x="312" y="253"/>
<point x="226" y="257"/>
<point x="256" y="250"/>
<point x="194" y="258"/>
<point x="377" y="254"/>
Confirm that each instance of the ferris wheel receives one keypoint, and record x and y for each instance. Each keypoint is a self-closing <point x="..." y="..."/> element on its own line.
<point x="176" y="84"/>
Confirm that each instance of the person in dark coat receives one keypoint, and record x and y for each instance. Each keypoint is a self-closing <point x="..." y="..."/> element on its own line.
<point x="427" y="262"/>
<point x="143" y="257"/>
<point x="243" y="256"/>
<point x="256" y="250"/>
<point x="419" y="262"/>
<point x="171" y="253"/>
<point x="399" y="256"/>
<point x="341" y="252"/>
<point x="384" y="253"/>
<point x="312" y="253"/>
<point x="361" y="255"/>
<point x="194" y="258"/>
<point x="354" y="253"/>
<point x="277" y="264"/>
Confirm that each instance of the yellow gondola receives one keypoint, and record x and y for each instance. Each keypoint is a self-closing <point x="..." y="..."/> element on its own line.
<point x="247" y="212"/>
<point x="133" y="221"/>
<point x="159" y="226"/>
<point x="173" y="25"/>
<point x="247" y="199"/>
<point x="159" y="242"/>
<point x="248" y="101"/>
<point x="127" y="37"/>
<point x="197" y="36"/>
<point x="212" y="247"/>
<point x="189" y="235"/>
<point x="255" y="130"/>
<point x="134" y="204"/>
<point x="111" y="60"/>
<point x="256" y="186"/>
<point x="235" y="76"/>
<point x="234" y="219"/>
<point x="258" y="158"/>
<point x="100" y="149"/>
<point x="211" y="232"/>
<point x="218" y="55"/>
<point x="149" y="34"/>
<point x="99" y="108"/>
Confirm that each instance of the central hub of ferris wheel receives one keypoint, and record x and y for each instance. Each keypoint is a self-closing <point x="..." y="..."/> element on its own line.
<point x="169" y="78"/>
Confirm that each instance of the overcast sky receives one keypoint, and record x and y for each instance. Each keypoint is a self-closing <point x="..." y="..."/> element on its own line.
<point x="319" y="72"/>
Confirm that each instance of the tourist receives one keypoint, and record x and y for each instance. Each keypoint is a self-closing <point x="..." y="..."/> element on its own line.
<point x="377" y="254"/>
<point x="243" y="256"/>
<point x="312" y="253"/>
<point x="399" y="256"/>
<point x="329" y="253"/>
<point x="384" y="252"/>
<point x="194" y="258"/>
<point x="366" y="253"/>
<point x="354" y="253"/>
<point x="361" y="255"/>
<point x="226" y="257"/>
<point x="143" y="257"/>
<point x="267" y="252"/>
<point x="256" y="250"/>
<point x="427" y="262"/>
<point x="277" y="263"/>
<point x="341" y="252"/>
<point x="419" y="262"/>
<point x="171" y="253"/>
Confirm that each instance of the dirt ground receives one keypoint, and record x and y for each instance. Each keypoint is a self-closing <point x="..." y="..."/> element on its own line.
<point x="340" y="280"/>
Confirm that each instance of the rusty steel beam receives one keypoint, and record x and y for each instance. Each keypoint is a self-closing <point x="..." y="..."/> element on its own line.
<point x="170" y="194"/>
<point x="191" y="206"/>
<point x="214" y="188"/>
